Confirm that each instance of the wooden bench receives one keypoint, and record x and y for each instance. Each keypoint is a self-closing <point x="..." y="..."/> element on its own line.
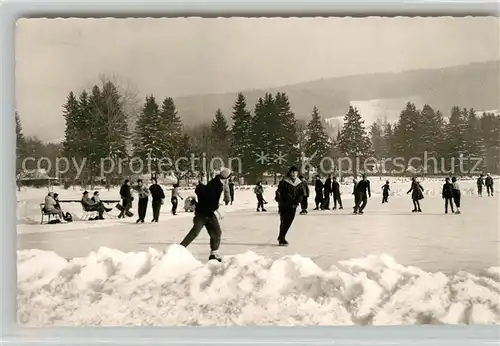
<point x="47" y="213"/>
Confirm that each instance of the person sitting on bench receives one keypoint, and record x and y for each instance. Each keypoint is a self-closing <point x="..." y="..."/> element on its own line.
<point x="97" y="199"/>
<point x="51" y="206"/>
<point x="89" y="205"/>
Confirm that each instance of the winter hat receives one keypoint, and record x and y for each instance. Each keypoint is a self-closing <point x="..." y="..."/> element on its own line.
<point x="225" y="173"/>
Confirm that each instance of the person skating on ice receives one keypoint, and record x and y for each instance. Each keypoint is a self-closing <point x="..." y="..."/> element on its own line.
<point x="126" y="196"/>
<point x="456" y="194"/>
<point x="231" y="189"/>
<point x="488" y="182"/>
<point x="143" y="193"/>
<point x="207" y="206"/>
<point x="416" y="194"/>
<point x="480" y="183"/>
<point x="447" y="194"/>
<point x="364" y="192"/>
<point x="288" y="195"/>
<point x="327" y="191"/>
<point x="357" y="197"/>
<point x="318" y="189"/>
<point x="157" y="196"/>
<point x="336" y="194"/>
<point x="259" y="194"/>
<point x="305" y="197"/>
<point x="174" y="198"/>
<point x="385" y="192"/>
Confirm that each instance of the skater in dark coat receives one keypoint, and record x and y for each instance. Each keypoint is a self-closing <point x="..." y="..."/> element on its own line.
<point x="305" y="197"/>
<point x="456" y="194"/>
<point x="126" y="196"/>
<point x="448" y="195"/>
<point x="357" y="196"/>
<point x="318" y="189"/>
<point x="259" y="193"/>
<point x="489" y="184"/>
<point x="385" y="192"/>
<point x="416" y="194"/>
<point x="336" y="194"/>
<point x="480" y="183"/>
<point x="205" y="213"/>
<point x="327" y="191"/>
<point x="289" y="195"/>
<point x="174" y="198"/>
<point x="364" y="192"/>
<point x="157" y="196"/>
<point x="143" y="193"/>
<point x="231" y="190"/>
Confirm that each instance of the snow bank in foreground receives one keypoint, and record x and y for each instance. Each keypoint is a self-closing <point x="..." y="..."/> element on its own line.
<point x="110" y="287"/>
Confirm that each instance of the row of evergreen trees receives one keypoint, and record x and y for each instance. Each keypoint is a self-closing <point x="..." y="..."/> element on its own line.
<point x="97" y="127"/>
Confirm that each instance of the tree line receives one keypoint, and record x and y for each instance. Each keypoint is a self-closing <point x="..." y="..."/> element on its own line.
<point x="267" y="137"/>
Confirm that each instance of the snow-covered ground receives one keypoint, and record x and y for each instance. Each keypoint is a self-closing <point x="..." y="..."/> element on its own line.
<point x="388" y="266"/>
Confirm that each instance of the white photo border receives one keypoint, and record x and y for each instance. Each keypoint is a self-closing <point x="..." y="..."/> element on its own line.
<point x="11" y="11"/>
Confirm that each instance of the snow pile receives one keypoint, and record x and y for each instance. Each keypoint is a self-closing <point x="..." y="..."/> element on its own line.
<point x="110" y="287"/>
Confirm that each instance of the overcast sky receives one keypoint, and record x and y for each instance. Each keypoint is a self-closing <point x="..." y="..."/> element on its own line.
<point x="174" y="57"/>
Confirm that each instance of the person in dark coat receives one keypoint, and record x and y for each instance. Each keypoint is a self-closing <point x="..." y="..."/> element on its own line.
<point x="489" y="184"/>
<point x="318" y="189"/>
<point x="327" y="191"/>
<point x="158" y="196"/>
<point x="231" y="190"/>
<point x="204" y="214"/>
<point x="448" y="195"/>
<point x="174" y="198"/>
<point x="456" y="193"/>
<point x="357" y="196"/>
<point x="336" y="194"/>
<point x="126" y="196"/>
<point x="416" y="194"/>
<point x="289" y="195"/>
<point x="364" y="191"/>
<point x="305" y="197"/>
<point x="259" y="193"/>
<point x="480" y="183"/>
<point x="143" y="193"/>
<point x="385" y="192"/>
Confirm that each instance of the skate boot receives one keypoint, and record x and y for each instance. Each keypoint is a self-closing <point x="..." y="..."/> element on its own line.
<point x="214" y="255"/>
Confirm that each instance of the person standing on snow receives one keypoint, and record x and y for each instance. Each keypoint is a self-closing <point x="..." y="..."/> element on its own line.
<point x="480" y="183"/>
<point x="336" y="194"/>
<point x="357" y="197"/>
<point x="385" y="192"/>
<point x="305" y="197"/>
<point x="158" y="196"/>
<point x="289" y="195"/>
<point x="416" y="194"/>
<point x="318" y="189"/>
<point x="231" y="190"/>
<point x="447" y="194"/>
<point x="126" y="196"/>
<point x="364" y="192"/>
<point x="489" y="184"/>
<point x="456" y="194"/>
<point x="259" y="193"/>
<point x="174" y="198"/>
<point x="327" y="191"/>
<point x="207" y="205"/>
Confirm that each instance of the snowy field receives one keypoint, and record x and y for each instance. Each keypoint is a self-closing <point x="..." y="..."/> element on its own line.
<point x="388" y="266"/>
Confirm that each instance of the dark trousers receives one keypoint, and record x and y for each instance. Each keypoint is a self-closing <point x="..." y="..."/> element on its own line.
<point x="231" y="193"/>
<point x="363" y="200"/>
<point x="326" y="200"/>
<point x="304" y="204"/>
<point x="456" y="199"/>
<point x="357" y="202"/>
<point x="489" y="189"/>
<point x="126" y="204"/>
<point x="385" y="197"/>
<point x="260" y="202"/>
<point x="287" y="215"/>
<point x="318" y="200"/>
<point x="416" y="204"/>
<point x="156" y="209"/>
<point x="336" y="198"/>
<point x="480" y="190"/>
<point x="143" y="206"/>
<point x="175" y="203"/>
<point x="211" y="223"/>
<point x="448" y="200"/>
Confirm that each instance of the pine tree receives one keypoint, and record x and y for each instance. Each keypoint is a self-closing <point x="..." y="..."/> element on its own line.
<point x="72" y="143"/>
<point x="353" y="141"/>
<point x="474" y="142"/>
<point x="20" y="144"/>
<point x="286" y="139"/>
<point x="377" y="139"/>
<point x="170" y="128"/>
<point x="184" y="168"/>
<point x="147" y="134"/>
<point x="241" y="135"/>
<point x="455" y="135"/>
<point x="220" y="136"/>
<point x="490" y="132"/>
<point x="262" y="133"/>
<point x="318" y="144"/>
<point x="407" y="134"/>
<point x="432" y="131"/>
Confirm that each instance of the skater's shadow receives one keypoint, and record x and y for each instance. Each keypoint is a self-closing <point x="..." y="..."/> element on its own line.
<point x="207" y="243"/>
